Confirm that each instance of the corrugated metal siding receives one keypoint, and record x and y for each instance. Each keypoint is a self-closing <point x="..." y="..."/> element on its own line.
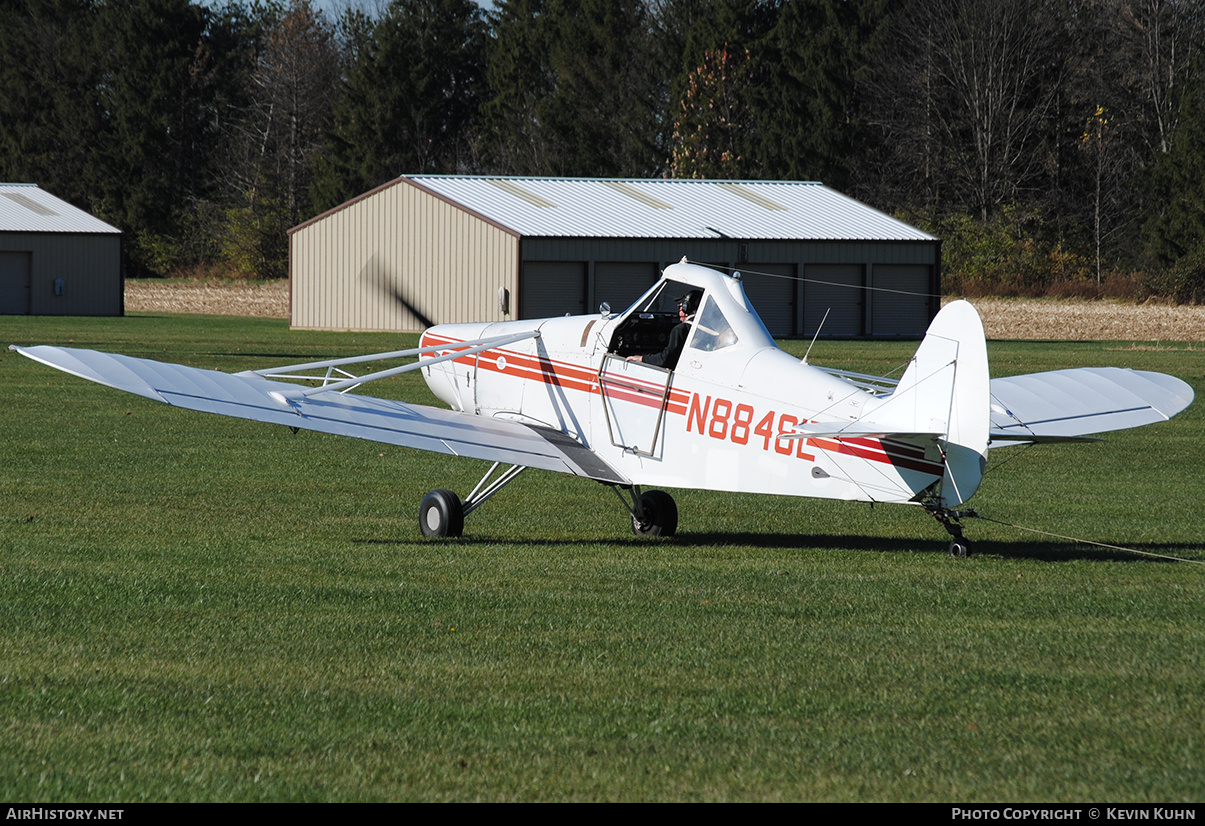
<point x="357" y="267"/>
<point x="90" y="266"/>
<point x="728" y="253"/>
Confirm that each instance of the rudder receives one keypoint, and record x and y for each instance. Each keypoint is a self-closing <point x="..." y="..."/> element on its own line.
<point x="946" y="386"/>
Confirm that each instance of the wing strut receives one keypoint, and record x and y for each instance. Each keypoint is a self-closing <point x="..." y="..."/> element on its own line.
<point x="479" y="496"/>
<point x="441" y="512"/>
<point x="288" y="371"/>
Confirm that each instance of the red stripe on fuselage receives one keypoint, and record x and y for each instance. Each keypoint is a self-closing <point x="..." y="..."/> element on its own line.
<point x="877" y="451"/>
<point x="570" y="376"/>
<point x="563" y="374"/>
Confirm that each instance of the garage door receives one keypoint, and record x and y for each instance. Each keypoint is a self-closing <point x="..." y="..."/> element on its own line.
<point x="835" y="288"/>
<point x="552" y="288"/>
<point x="15" y="269"/>
<point x="619" y="283"/>
<point x="773" y="296"/>
<point x="904" y="311"/>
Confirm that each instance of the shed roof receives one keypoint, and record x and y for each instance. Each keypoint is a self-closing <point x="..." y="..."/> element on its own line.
<point x="26" y="208"/>
<point x="661" y="208"/>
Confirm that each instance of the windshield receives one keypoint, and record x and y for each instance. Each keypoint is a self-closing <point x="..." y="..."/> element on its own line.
<point x="663" y="298"/>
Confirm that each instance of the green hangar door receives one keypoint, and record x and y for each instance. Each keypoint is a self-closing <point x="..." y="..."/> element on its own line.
<point x="15" y="273"/>
<point x="899" y="304"/>
<point x="620" y="283"/>
<point x="552" y="288"/>
<point x="835" y="289"/>
<point x="771" y="289"/>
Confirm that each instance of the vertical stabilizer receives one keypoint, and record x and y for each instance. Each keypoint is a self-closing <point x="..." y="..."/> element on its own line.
<point x="946" y="389"/>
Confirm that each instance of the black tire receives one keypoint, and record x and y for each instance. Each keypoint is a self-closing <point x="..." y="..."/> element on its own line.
<point x="960" y="548"/>
<point x="441" y="514"/>
<point x="660" y="515"/>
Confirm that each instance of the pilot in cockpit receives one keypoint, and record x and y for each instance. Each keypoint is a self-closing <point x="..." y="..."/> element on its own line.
<point x="688" y="305"/>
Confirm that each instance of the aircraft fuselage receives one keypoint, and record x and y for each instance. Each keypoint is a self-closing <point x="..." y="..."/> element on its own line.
<point x="723" y="419"/>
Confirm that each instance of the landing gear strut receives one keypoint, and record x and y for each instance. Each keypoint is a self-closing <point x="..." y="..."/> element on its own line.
<point x="959" y="547"/>
<point x="442" y="513"/>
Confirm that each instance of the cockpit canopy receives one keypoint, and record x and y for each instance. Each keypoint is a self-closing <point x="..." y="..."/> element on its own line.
<point x="725" y="317"/>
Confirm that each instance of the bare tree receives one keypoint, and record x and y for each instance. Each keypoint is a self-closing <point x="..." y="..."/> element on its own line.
<point x="969" y="94"/>
<point x="294" y="83"/>
<point x="1161" y="36"/>
<point x="274" y="143"/>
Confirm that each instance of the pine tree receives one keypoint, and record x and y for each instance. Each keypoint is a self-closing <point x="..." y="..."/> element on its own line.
<point x="809" y="110"/>
<point x="157" y="122"/>
<point x="410" y="99"/>
<point x="571" y="90"/>
<point x="1177" y="186"/>
<point x="520" y="79"/>
<point x="50" y="116"/>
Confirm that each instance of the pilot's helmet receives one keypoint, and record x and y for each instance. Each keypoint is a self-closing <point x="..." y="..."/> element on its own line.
<point x="690" y="301"/>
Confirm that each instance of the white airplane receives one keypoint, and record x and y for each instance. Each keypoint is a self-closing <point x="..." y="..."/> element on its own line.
<point x="735" y="413"/>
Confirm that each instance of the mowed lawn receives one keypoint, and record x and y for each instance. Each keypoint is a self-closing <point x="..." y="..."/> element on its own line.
<point x="199" y="608"/>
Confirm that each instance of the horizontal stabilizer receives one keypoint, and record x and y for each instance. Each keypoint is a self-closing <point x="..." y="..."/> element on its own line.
<point x="1069" y="403"/>
<point x="248" y="396"/>
<point x="1021" y="438"/>
<point x="860" y="429"/>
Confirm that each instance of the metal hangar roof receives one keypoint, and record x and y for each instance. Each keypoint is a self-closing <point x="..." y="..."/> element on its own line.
<point x="26" y="208"/>
<point x="665" y="208"/>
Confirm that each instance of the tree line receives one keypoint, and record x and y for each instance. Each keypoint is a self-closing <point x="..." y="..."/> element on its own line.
<point x="1056" y="145"/>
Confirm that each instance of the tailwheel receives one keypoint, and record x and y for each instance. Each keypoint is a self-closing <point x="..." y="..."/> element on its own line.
<point x="951" y="520"/>
<point x="960" y="548"/>
<point x="658" y="515"/>
<point x="441" y="514"/>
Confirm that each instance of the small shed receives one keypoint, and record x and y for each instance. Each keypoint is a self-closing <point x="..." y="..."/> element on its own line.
<point x="56" y="259"/>
<point x="428" y="249"/>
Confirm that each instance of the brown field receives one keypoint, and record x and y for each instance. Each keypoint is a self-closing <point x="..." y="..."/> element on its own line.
<point x="1079" y="320"/>
<point x="266" y="299"/>
<point x="1003" y="318"/>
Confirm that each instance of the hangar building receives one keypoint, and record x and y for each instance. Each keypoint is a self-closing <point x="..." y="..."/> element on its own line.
<point x="426" y="249"/>
<point x="56" y="259"/>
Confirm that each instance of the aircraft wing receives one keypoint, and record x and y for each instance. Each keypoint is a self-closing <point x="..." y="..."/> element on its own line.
<point x="1065" y="405"/>
<point x="249" y="396"/>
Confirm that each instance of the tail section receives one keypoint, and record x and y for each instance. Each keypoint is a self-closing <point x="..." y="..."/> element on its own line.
<point x="944" y="396"/>
<point x="947" y="387"/>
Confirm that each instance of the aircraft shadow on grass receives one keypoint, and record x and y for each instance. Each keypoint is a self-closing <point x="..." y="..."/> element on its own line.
<point x="1040" y="550"/>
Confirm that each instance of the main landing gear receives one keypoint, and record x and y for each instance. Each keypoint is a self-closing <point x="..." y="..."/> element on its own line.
<point x="654" y="512"/>
<point x="441" y="513"/>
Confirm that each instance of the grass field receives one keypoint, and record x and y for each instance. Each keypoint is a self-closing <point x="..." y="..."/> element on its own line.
<point x="199" y="608"/>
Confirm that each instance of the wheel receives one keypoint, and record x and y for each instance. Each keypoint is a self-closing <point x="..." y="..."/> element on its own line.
<point x="960" y="548"/>
<point x="660" y="515"/>
<point x="440" y="514"/>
